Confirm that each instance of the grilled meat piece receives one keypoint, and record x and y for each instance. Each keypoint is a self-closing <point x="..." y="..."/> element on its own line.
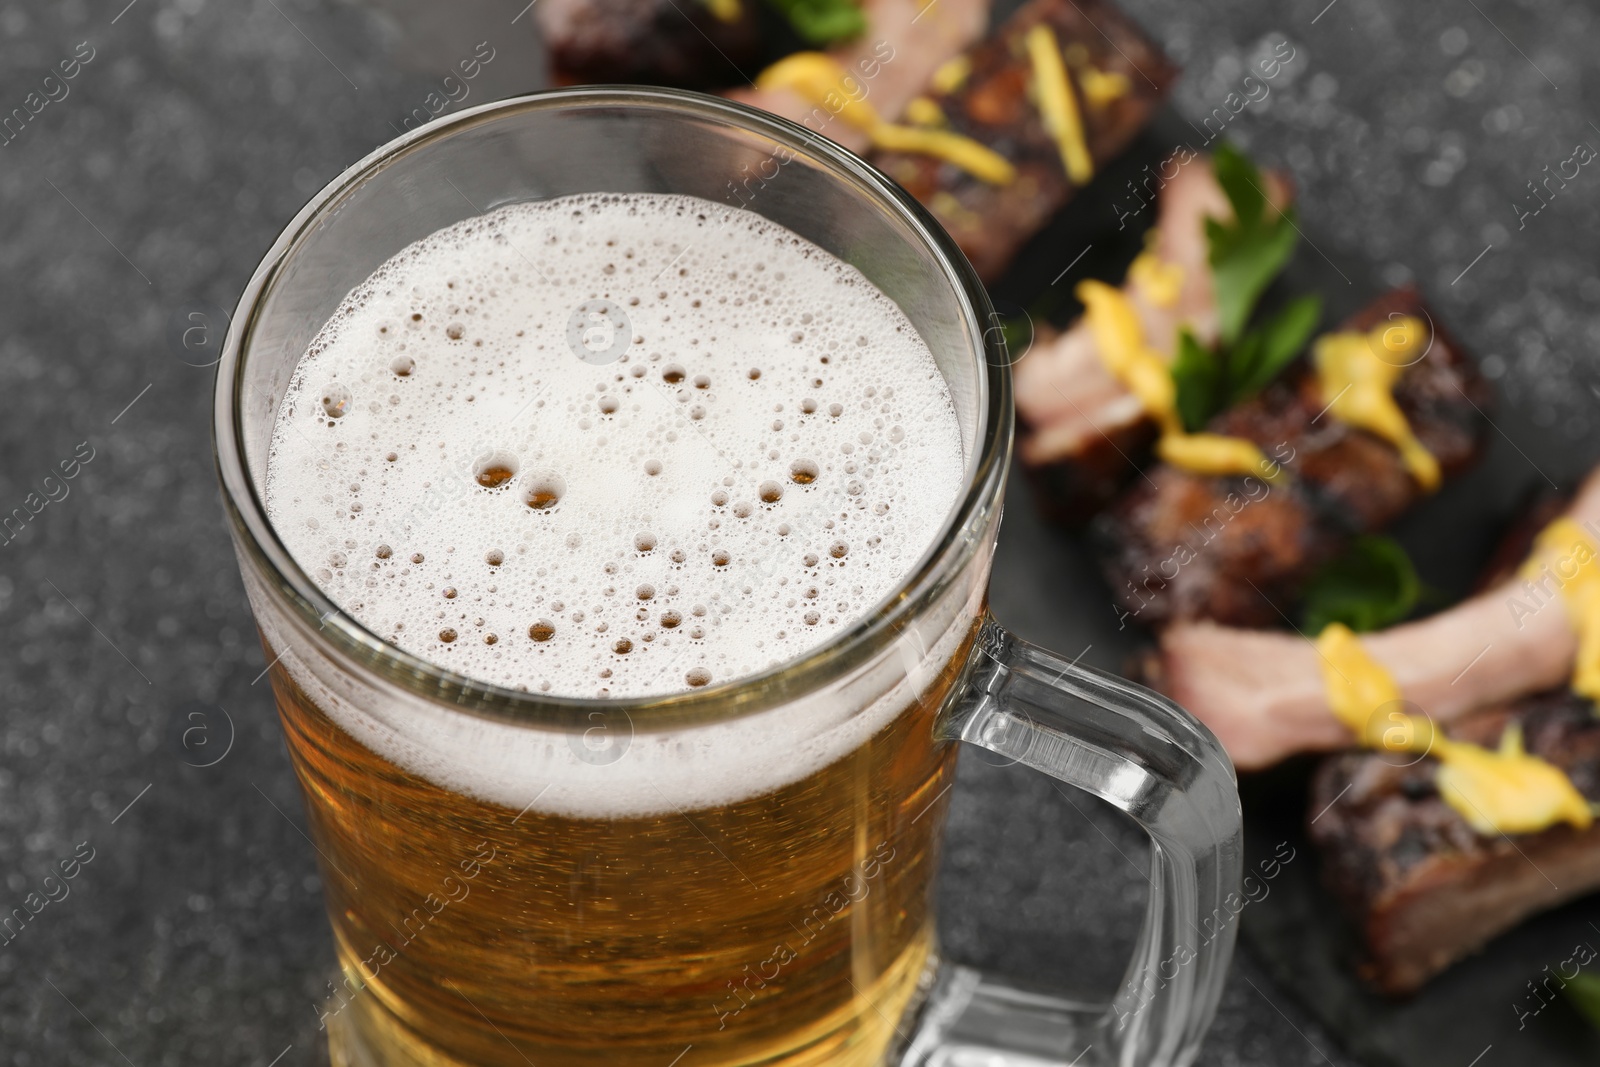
<point x="993" y="106"/>
<point x="1179" y="546"/>
<point x="905" y="42"/>
<point x="1421" y="886"/>
<point x="658" y="42"/>
<point x="1262" y="693"/>
<point x="1082" y="432"/>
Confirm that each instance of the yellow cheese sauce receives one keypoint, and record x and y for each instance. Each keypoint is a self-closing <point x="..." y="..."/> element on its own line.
<point x="1119" y="340"/>
<point x="817" y="78"/>
<point x="1564" y="552"/>
<point x="1501" y="790"/>
<point x="1157" y="280"/>
<point x="1101" y="88"/>
<point x="1358" y="371"/>
<point x="952" y="74"/>
<point x="923" y="111"/>
<point x="1058" y="104"/>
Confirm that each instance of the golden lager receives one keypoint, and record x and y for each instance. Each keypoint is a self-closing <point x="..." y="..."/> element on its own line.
<point x="789" y="928"/>
<point x="757" y="460"/>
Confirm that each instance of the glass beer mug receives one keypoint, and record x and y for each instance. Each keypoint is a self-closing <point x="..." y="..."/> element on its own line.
<point x="738" y="874"/>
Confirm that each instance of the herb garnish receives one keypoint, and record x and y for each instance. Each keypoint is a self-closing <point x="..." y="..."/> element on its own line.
<point x="822" y="22"/>
<point x="1246" y="255"/>
<point x="1371" y="586"/>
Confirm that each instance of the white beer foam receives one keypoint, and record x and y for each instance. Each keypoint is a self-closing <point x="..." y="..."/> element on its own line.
<point x="764" y="462"/>
<point x="620" y="768"/>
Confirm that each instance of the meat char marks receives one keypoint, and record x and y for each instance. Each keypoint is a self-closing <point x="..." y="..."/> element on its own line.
<point x="1237" y="550"/>
<point x="656" y="42"/>
<point x="995" y="106"/>
<point x="1422" y="887"/>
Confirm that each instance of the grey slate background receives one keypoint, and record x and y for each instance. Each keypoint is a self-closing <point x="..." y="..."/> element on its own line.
<point x="196" y="935"/>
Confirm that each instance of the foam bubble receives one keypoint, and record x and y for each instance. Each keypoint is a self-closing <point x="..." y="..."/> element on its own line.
<point x="741" y="452"/>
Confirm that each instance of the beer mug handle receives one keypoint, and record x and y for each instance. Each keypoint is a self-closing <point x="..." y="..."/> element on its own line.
<point x="1155" y="761"/>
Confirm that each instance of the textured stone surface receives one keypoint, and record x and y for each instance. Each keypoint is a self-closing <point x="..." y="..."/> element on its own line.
<point x="195" y="933"/>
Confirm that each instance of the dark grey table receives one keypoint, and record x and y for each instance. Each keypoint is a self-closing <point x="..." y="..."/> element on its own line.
<point x="192" y="131"/>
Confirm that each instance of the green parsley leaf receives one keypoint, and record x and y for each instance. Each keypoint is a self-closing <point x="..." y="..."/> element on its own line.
<point x="1249" y="252"/>
<point x="1208" y="383"/>
<point x="1583" y="989"/>
<point x="1198" y="379"/>
<point x="1263" y="353"/>
<point x="1243" y="264"/>
<point x="1371" y="586"/>
<point x="1241" y="180"/>
<point x="822" y="22"/>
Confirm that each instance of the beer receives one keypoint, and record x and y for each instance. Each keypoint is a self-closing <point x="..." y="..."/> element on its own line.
<point x="619" y="446"/>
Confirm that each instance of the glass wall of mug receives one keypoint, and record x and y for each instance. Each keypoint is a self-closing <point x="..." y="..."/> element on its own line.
<point x="744" y="871"/>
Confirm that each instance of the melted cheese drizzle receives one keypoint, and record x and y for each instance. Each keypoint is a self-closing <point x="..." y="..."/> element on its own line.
<point x="818" y="79"/>
<point x="1058" y="104"/>
<point x="1566" y="552"/>
<point x="1358" y="372"/>
<point x="1101" y="88"/>
<point x="1502" y="790"/>
<point x="1119" y="340"/>
<point x="952" y="74"/>
<point x="1157" y="280"/>
<point x="922" y="111"/>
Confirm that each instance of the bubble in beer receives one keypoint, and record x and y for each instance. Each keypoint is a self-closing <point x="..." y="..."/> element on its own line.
<point x="336" y="400"/>
<point x="685" y="524"/>
<point x="494" y="469"/>
<point x="544" y="490"/>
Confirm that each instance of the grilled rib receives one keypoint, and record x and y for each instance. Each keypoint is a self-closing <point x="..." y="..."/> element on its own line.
<point x="995" y="107"/>
<point x="648" y="42"/>
<point x="1238" y="551"/>
<point x="916" y="37"/>
<point x="1420" y="885"/>
<point x="1083" y="433"/>
<point x="1261" y="692"/>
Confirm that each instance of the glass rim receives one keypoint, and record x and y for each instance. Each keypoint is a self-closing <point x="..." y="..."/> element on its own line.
<point x="943" y="561"/>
